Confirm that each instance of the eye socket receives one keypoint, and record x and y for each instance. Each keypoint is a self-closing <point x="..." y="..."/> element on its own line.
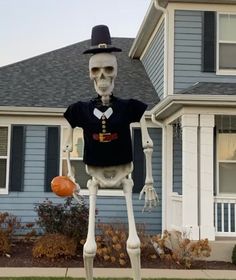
<point x="95" y="70"/>
<point x="108" y="69"/>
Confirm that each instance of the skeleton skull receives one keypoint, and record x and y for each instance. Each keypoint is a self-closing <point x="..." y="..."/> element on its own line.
<point x="103" y="71"/>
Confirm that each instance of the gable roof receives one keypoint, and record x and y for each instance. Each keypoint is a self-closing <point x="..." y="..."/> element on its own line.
<point x="153" y="15"/>
<point x="61" y="77"/>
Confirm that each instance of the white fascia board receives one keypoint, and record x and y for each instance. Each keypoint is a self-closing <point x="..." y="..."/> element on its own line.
<point x="32" y="111"/>
<point x="145" y="31"/>
<point x="173" y="103"/>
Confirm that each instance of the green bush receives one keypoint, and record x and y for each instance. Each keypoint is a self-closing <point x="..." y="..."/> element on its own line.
<point x="234" y="255"/>
<point x="69" y="218"/>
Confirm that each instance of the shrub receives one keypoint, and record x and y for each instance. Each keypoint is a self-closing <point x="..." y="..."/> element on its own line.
<point x="69" y="219"/>
<point x="111" y="244"/>
<point x="234" y="255"/>
<point x="175" y="247"/>
<point x="8" y="225"/>
<point x="54" y="246"/>
<point x="5" y="243"/>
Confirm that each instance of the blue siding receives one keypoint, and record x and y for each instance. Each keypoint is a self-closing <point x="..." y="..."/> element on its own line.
<point x="110" y="209"/>
<point x="188" y="52"/>
<point x="153" y="61"/>
<point x="177" y="163"/>
<point x="22" y="204"/>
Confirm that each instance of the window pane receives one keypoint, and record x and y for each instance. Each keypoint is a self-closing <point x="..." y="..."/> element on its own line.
<point x="227" y="177"/>
<point x="3" y="164"/>
<point x="227" y="56"/>
<point x="3" y="141"/>
<point x="227" y="146"/>
<point x="78" y="143"/>
<point x="78" y="167"/>
<point x="227" y="27"/>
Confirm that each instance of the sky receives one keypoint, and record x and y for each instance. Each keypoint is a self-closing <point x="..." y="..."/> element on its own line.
<point x="31" y="27"/>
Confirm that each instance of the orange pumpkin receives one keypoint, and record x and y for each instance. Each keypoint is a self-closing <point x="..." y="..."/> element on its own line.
<point x="63" y="186"/>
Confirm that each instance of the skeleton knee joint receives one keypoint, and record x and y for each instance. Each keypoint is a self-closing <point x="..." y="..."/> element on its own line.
<point x="90" y="248"/>
<point x="133" y="244"/>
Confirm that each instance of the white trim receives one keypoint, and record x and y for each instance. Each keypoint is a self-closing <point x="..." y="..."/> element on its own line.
<point x="170" y="51"/>
<point x="202" y="7"/>
<point x="173" y="103"/>
<point x="34" y="111"/>
<point x="152" y="37"/>
<point x="167" y="176"/>
<point x="6" y="189"/>
<point x="218" y="70"/>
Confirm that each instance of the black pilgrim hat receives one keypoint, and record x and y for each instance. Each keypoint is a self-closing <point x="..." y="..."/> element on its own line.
<point x="101" y="41"/>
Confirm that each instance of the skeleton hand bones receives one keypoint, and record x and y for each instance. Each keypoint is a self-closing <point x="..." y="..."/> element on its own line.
<point x="151" y="197"/>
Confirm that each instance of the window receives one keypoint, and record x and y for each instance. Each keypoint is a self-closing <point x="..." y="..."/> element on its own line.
<point x="227" y="43"/>
<point x="4" y="158"/>
<point x="226" y="147"/>
<point x="77" y="165"/>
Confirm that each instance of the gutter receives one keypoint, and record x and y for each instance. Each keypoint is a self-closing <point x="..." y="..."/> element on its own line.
<point x="180" y="100"/>
<point x="31" y="111"/>
<point x="146" y="29"/>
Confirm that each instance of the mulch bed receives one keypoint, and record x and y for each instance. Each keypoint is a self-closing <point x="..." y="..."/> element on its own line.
<point x="21" y="256"/>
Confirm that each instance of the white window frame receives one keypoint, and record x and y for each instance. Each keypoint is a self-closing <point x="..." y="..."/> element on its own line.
<point x="218" y="70"/>
<point x="218" y="193"/>
<point x="7" y="157"/>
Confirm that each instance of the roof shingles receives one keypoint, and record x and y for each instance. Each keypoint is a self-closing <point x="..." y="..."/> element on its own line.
<point x="61" y="77"/>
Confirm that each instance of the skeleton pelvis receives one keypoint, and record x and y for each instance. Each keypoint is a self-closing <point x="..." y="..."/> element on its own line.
<point x="110" y="176"/>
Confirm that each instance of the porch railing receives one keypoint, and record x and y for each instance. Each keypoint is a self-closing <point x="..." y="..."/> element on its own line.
<point x="176" y="217"/>
<point x="225" y="216"/>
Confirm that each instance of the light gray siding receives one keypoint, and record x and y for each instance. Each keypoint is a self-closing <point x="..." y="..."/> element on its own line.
<point x="113" y="209"/>
<point x="188" y="52"/>
<point x="153" y="61"/>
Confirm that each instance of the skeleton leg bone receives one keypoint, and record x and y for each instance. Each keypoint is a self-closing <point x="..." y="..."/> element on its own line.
<point x="133" y="242"/>
<point x="90" y="247"/>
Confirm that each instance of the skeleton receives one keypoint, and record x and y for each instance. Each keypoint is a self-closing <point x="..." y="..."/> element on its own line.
<point x="103" y="71"/>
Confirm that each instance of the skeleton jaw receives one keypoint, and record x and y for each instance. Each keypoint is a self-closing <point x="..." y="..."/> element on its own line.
<point x="104" y="89"/>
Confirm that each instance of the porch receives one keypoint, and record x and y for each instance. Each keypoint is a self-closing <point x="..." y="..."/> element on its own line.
<point x="224" y="216"/>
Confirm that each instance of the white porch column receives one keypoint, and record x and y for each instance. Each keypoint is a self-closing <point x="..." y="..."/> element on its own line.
<point x="206" y="211"/>
<point x="190" y="176"/>
<point x="167" y="174"/>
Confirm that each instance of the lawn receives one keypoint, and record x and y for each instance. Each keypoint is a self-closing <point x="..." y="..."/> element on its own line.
<point x="69" y="278"/>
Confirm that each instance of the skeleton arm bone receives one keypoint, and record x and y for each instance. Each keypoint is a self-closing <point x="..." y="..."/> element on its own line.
<point x="68" y="146"/>
<point x="148" y="190"/>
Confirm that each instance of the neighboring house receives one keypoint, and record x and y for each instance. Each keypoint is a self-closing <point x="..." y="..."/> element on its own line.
<point x="188" y="49"/>
<point x="33" y="97"/>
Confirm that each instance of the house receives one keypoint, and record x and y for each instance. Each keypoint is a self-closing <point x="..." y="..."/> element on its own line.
<point x="188" y="49"/>
<point x="34" y="94"/>
<point x="182" y="64"/>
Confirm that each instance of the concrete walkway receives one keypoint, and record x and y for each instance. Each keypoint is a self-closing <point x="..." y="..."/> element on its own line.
<point x="117" y="273"/>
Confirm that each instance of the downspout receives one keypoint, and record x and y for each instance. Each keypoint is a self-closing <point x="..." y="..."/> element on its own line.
<point x="158" y="7"/>
<point x="156" y="122"/>
<point x="166" y="32"/>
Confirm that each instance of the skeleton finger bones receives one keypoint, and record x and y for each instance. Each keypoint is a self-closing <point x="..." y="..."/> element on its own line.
<point x="150" y="196"/>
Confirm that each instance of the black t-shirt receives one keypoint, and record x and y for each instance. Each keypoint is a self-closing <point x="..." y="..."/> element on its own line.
<point x="117" y="149"/>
